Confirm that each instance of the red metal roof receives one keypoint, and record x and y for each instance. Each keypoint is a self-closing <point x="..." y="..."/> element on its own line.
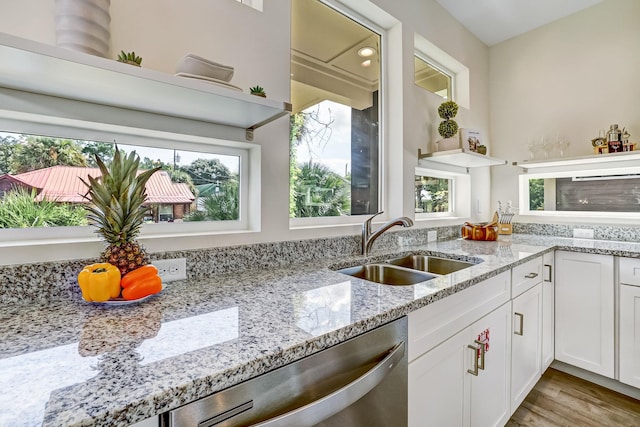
<point x="62" y="184"/>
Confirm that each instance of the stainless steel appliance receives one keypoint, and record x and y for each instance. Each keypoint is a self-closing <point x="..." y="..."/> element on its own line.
<point x="361" y="382"/>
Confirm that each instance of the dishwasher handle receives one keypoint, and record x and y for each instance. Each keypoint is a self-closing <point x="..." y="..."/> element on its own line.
<point x="321" y="409"/>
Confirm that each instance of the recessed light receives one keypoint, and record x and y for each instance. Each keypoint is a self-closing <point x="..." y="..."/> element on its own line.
<point x="366" y="51"/>
<point x="366" y="63"/>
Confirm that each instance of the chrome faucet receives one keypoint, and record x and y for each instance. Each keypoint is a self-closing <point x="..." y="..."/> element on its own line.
<point x="368" y="236"/>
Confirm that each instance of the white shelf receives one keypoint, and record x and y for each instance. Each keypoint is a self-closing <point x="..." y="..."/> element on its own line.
<point x="578" y="161"/>
<point x="34" y="67"/>
<point x="461" y="158"/>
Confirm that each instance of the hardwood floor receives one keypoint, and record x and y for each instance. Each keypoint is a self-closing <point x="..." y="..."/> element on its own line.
<point x="560" y="399"/>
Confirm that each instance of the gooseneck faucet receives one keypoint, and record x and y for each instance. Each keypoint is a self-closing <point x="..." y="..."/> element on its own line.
<point x="368" y="236"/>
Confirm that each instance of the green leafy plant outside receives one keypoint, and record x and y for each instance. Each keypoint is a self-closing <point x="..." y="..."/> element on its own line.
<point x="19" y="209"/>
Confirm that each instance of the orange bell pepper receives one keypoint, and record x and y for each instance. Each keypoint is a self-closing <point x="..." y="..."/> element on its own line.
<point x="139" y="274"/>
<point x="142" y="288"/>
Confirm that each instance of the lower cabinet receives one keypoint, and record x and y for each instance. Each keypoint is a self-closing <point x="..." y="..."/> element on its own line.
<point x="630" y="335"/>
<point x="465" y="380"/>
<point x="585" y="312"/>
<point x="548" y="310"/>
<point x="526" y="344"/>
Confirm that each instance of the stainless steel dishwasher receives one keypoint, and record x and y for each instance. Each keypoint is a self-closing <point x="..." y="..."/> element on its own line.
<point x="360" y="382"/>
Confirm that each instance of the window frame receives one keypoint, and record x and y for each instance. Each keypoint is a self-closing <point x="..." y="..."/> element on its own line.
<point x="440" y="68"/>
<point x="524" y="196"/>
<point x="249" y="175"/>
<point x="316" y="222"/>
<point x="459" y="194"/>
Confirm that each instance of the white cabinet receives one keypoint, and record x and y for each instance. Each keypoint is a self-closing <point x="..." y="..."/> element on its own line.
<point x="629" y="311"/>
<point x="464" y="380"/>
<point x="526" y="345"/>
<point x="630" y="335"/>
<point x="584" y="321"/>
<point x="548" y="304"/>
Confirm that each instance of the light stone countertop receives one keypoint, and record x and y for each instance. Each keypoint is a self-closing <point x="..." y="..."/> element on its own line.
<point x="70" y="363"/>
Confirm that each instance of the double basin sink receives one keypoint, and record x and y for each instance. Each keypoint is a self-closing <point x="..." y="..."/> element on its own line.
<point x="407" y="270"/>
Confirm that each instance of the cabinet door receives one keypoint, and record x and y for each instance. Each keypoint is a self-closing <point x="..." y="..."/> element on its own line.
<point x="585" y="311"/>
<point x="437" y="383"/>
<point x="489" y="394"/>
<point x="548" y="304"/>
<point x="630" y="335"/>
<point x="526" y="345"/>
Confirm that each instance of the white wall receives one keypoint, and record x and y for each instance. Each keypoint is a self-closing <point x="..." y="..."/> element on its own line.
<point x="572" y="77"/>
<point x="257" y="45"/>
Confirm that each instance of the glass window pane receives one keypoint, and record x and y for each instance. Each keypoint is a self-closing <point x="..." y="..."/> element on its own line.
<point x="432" y="194"/>
<point x="615" y="193"/>
<point x="431" y="78"/>
<point x="334" y="137"/>
<point x="40" y="181"/>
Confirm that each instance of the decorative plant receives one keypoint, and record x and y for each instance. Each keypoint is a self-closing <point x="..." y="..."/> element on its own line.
<point x="116" y="208"/>
<point x="258" y="91"/>
<point x="129" y="58"/>
<point x="447" y="111"/>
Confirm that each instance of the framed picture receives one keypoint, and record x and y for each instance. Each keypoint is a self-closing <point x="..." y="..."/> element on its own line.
<point x="470" y="139"/>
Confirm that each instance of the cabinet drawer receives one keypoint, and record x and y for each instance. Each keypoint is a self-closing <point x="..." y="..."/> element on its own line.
<point x="526" y="276"/>
<point x="630" y="271"/>
<point x="437" y="322"/>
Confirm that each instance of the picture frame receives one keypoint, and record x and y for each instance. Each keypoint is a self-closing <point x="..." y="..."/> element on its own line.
<point x="470" y="139"/>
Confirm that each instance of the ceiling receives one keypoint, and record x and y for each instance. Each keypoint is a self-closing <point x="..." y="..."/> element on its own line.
<point x="494" y="21"/>
<point x="325" y="63"/>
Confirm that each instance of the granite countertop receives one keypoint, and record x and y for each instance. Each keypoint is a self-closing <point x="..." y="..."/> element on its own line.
<point x="70" y="363"/>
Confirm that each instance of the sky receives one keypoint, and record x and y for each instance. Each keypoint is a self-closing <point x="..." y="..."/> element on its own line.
<point x="166" y="155"/>
<point x="336" y="152"/>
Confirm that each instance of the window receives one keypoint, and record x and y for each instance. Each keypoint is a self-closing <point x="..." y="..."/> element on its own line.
<point x="441" y="193"/>
<point x="432" y="194"/>
<point x="335" y="91"/>
<point x="588" y="193"/>
<point x="40" y="181"/>
<point x="598" y="186"/>
<point x="433" y="77"/>
<point x="440" y="73"/>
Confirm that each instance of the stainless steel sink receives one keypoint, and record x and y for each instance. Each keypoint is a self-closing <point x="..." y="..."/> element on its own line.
<point x="387" y="274"/>
<point x="431" y="264"/>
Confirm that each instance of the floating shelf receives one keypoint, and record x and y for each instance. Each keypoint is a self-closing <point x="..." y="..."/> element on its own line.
<point x="34" y="67"/>
<point x="461" y="157"/>
<point x="568" y="162"/>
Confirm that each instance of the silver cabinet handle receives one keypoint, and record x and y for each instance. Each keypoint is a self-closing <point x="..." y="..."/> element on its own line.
<point x="475" y="349"/>
<point x="521" y="332"/>
<point x="321" y="409"/>
<point x="531" y="275"/>
<point x="549" y="273"/>
<point x="482" y="354"/>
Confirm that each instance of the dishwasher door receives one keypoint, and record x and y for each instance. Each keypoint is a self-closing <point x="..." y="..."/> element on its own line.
<point x="360" y="382"/>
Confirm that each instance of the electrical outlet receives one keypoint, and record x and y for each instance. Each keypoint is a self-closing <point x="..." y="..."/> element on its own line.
<point x="432" y="236"/>
<point x="171" y="269"/>
<point x="582" y="233"/>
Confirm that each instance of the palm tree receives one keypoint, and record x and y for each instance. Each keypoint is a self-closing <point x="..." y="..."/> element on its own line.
<point x="319" y="191"/>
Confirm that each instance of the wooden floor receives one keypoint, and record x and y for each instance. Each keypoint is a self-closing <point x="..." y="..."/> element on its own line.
<point x="560" y="399"/>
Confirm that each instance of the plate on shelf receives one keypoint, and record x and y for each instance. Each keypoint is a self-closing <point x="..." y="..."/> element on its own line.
<point x="213" y="81"/>
<point x="122" y="301"/>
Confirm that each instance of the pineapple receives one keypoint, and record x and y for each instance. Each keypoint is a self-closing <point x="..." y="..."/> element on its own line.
<point x="116" y="209"/>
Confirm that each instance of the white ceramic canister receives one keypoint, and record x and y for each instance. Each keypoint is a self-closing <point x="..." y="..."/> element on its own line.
<point x="83" y="25"/>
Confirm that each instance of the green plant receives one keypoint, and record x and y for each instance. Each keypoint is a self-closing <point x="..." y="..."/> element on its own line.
<point x="448" y="110"/>
<point x="258" y="90"/>
<point x="19" y="209"/>
<point x="129" y="57"/>
<point x="448" y="127"/>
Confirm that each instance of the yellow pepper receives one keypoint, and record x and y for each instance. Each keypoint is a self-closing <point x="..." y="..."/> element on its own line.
<point x="99" y="282"/>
